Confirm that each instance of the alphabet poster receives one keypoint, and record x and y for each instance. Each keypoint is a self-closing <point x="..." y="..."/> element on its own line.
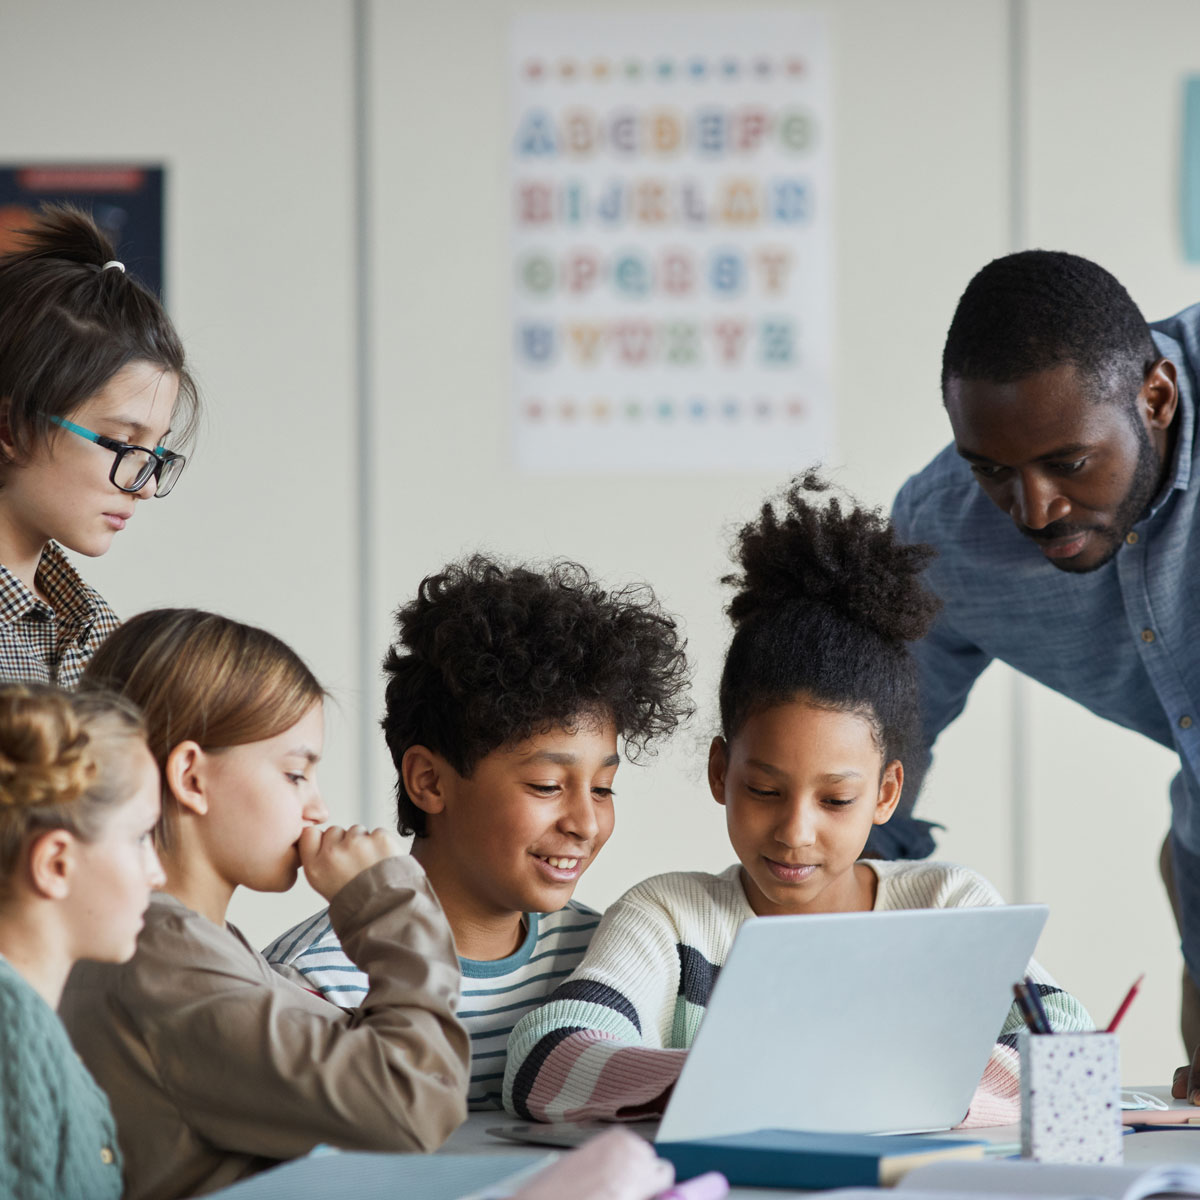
<point x="671" y="241"/>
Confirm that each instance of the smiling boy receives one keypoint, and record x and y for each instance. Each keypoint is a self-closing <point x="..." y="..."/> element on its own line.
<point x="508" y="691"/>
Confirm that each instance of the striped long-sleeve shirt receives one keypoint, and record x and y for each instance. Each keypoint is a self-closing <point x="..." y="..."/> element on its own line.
<point x="495" y="995"/>
<point x="613" y="1037"/>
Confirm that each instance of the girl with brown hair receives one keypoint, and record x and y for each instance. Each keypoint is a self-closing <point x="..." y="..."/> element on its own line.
<point x="93" y="383"/>
<point x="79" y="795"/>
<point x="216" y="1066"/>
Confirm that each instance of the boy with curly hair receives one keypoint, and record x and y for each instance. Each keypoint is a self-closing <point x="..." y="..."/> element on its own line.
<point x="508" y="689"/>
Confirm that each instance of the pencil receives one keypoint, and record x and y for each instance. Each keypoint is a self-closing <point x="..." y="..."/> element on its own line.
<point x="1035" y="998"/>
<point x="1118" y="1016"/>
<point x="1026" y="1009"/>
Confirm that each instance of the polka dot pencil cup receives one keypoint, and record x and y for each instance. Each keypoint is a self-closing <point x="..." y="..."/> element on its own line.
<point x="1070" y="1097"/>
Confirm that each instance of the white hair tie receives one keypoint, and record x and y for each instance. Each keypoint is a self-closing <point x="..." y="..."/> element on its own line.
<point x="112" y="262"/>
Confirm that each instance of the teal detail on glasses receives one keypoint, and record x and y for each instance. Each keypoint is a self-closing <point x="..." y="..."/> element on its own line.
<point x="91" y="436"/>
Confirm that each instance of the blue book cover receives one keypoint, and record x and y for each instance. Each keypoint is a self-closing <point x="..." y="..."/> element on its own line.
<point x="790" y="1158"/>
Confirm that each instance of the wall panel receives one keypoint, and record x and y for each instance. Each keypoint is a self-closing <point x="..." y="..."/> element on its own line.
<point x="248" y="105"/>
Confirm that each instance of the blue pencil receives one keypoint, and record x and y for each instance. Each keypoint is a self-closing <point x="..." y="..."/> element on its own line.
<point x="1035" y="998"/>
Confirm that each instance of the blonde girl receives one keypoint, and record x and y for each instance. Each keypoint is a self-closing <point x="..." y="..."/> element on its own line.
<point x="216" y="1066"/>
<point x="79" y="795"/>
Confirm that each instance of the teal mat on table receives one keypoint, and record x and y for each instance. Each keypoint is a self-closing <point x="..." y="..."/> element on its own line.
<point x="383" y="1176"/>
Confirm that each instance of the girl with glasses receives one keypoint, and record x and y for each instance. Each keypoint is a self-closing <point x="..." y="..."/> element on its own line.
<point x="79" y="796"/>
<point x="93" y="383"/>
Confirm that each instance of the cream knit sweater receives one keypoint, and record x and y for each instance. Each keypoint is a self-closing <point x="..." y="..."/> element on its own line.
<point x="614" y="1036"/>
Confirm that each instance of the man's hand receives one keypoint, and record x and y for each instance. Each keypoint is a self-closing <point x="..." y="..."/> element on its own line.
<point x="1186" y="1084"/>
<point x="334" y="856"/>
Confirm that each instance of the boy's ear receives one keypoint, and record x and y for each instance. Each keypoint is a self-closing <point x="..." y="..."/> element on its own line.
<point x="889" y="792"/>
<point x="52" y="862"/>
<point x="185" y="776"/>
<point x="718" y="765"/>
<point x="424" y="775"/>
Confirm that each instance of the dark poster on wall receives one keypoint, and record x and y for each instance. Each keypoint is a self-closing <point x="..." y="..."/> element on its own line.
<point x="125" y="201"/>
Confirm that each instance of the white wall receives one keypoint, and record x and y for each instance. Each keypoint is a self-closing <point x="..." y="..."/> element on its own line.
<point x="250" y="104"/>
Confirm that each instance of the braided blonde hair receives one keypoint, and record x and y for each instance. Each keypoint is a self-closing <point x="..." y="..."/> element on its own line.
<point x="63" y="761"/>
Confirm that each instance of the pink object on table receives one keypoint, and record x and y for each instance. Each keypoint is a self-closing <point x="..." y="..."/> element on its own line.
<point x="710" y="1186"/>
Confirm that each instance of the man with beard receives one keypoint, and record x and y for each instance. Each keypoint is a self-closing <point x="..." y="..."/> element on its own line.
<point x="1063" y="514"/>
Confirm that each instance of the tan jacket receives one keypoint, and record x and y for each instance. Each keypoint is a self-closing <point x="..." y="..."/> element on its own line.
<point x="217" y="1067"/>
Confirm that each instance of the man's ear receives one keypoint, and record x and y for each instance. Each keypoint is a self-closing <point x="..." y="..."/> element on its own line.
<point x="1159" y="397"/>
<point x="52" y="863"/>
<point x="425" y="776"/>
<point x="718" y="766"/>
<point x="185" y="776"/>
<point x="889" y="792"/>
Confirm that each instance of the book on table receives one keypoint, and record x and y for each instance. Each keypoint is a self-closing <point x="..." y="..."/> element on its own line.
<point x="791" y="1158"/>
<point x="1008" y="1180"/>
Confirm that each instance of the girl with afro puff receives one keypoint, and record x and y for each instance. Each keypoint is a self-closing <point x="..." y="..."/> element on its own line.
<point x="818" y="702"/>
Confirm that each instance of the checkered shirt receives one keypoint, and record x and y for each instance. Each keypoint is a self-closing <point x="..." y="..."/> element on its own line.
<point x="50" y="643"/>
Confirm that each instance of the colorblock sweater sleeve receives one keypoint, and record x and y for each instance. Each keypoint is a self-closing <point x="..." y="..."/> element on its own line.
<point x="221" y="1066"/>
<point x="611" y="1040"/>
<point x="997" y="1100"/>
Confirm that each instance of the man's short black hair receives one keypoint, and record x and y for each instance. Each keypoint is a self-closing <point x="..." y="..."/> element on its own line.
<point x="489" y="654"/>
<point x="1039" y="309"/>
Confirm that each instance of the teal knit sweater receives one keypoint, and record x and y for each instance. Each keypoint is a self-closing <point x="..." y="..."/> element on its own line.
<point x="58" y="1140"/>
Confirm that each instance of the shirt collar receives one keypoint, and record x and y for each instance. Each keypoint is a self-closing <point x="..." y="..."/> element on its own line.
<point x="1180" y="476"/>
<point x="70" y="599"/>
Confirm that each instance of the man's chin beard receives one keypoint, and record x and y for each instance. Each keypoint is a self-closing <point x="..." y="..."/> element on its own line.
<point x="1147" y="475"/>
<point x="1106" y="533"/>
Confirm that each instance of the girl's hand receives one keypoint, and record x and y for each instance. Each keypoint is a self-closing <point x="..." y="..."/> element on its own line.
<point x="616" y="1165"/>
<point x="334" y="856"/>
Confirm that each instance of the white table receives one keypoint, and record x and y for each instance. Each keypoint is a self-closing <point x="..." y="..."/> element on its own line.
<point x="1141" y="1149"/>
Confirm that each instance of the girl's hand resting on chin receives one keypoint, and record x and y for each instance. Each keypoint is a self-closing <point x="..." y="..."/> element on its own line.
<point x="332" y="857"/>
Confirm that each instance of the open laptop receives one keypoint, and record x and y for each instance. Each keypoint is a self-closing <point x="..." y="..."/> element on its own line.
<point x="846" y="1022"/>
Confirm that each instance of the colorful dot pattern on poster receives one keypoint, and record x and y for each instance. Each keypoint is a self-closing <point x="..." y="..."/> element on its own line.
<point x="671" y="233"/>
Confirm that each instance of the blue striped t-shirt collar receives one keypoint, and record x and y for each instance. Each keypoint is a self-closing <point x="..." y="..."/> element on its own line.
<point x="475" y="968"/>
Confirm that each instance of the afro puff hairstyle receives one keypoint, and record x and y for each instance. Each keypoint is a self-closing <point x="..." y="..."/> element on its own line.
<point x="1038" y="309"/>
<point x="489" y="654"/>
<point x="827" y="601"/>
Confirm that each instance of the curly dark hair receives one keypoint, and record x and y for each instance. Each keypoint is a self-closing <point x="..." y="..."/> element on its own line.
<point x="827" y="601"/>
<point x="489" y="654"/>
<point x="1038" y="309"/>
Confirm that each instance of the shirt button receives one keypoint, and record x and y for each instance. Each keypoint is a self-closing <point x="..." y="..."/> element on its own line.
<point x="1147" y="635"/>
<point x="1131" y="538"/>
<point x="1185" y="722"/>
<point x="106" y="1156"/>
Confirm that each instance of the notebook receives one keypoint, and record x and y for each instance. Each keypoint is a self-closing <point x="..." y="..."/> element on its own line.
<point x="786" y="1158"/>
<point x="367" y="1176"/>
<point x="1036" y="1181"/>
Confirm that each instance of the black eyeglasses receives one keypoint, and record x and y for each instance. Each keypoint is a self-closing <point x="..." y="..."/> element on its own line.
<point x="134" y="466"/>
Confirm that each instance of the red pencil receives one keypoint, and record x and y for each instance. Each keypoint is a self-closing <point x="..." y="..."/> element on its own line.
<point x="1129" y="995"/>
